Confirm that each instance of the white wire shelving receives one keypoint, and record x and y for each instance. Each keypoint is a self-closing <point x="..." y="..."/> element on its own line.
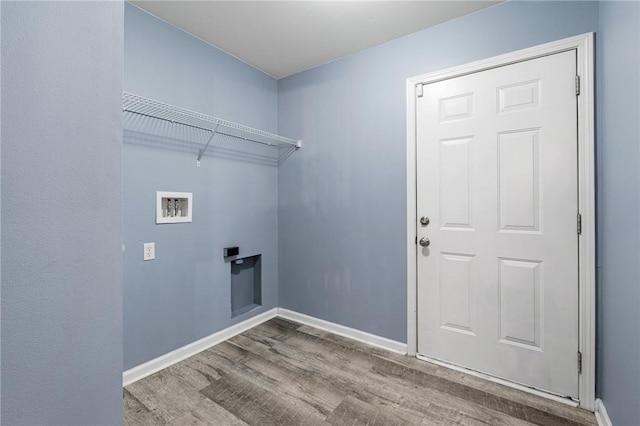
<point x="149" y="108"/>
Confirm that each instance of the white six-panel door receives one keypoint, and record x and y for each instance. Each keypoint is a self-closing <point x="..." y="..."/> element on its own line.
<point x="497" y="178"/>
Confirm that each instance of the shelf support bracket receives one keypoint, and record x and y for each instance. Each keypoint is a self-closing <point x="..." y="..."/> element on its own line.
<point x="202" y="151"/>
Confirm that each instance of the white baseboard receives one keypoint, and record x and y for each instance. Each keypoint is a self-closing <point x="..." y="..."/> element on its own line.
<point x="351" y="333"/>
<point x="143" y="370"/>
<point x="601" y="414"/>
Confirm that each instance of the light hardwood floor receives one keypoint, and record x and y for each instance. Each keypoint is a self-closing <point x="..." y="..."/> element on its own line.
<point x="285" y="373"/>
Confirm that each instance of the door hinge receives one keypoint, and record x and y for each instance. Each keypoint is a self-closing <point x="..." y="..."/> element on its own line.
<point x="579" y="224"/>
<point x="577" y="85"/>
<point x="579" y="362"/>
<point x="419" y="92"/>
<point x="416" y="241"/>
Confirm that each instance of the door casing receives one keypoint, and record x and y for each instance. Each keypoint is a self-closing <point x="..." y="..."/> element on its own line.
<point x="584" y="45"/>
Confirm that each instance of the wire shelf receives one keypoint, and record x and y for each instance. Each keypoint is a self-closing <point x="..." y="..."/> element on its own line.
<point x="154" y="109"/>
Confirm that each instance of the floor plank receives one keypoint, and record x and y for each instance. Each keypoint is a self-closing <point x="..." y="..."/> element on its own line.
<point x="257" y="405"/>
<point x="136" y="413"/>
<point x="285" y="373"/>
<point x="352" y="411"/>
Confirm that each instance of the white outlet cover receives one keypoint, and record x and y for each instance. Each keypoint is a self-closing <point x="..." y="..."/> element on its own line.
<point x="149" y="251"/>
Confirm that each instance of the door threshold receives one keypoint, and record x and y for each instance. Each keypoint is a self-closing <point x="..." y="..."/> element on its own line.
<point x="514" y="385"/>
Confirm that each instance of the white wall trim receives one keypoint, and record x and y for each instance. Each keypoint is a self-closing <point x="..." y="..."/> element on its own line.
<point x="601" y="414"/>
<point x="412" y="219"/>
<point x="143" y="370"/>
<point x="586" y="182"/>
<point x="341" y="330"/>
<point x="148" y="368"/>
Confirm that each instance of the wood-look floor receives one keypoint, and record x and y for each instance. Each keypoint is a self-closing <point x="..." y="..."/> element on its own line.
<point x="284" y="373"/>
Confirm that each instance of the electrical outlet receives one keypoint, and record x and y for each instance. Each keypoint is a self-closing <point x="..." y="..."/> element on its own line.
<point x="149" y="251"/>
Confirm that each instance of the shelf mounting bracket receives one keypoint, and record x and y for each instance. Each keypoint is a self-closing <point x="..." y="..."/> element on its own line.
<point x="202" y="151"/>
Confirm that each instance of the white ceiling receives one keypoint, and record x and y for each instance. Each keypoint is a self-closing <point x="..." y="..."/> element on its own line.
<point x="282" y="38"/>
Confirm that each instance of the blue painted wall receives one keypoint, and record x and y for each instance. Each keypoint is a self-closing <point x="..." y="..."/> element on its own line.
<point x="618" y="111"/>
<point x="185" y="293"/>
<point x="343" y="197"/>
<point x="61" y="222"/>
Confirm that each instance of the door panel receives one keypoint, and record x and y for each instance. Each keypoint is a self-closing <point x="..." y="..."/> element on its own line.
<point x="455" y="285"/>
<point x="455" y="199"/>
<point x="519" y="287"/>
<point x="497" y="176"/>
<point x="518" y="179"/>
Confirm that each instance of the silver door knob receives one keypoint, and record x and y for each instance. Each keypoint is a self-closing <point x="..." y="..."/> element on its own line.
<point x="424" y="242"/>
<point x="424" y="220"/>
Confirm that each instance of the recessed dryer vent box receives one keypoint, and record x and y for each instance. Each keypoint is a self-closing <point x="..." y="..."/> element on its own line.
<point x="174" y="207"/>
<point x="246" y="285"/>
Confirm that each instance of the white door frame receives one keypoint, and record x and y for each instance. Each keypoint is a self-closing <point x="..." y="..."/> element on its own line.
<point x="586" y="193"/>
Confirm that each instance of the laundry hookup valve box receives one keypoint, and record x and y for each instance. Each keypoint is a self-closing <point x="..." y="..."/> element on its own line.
<point x="174" y="207"/>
